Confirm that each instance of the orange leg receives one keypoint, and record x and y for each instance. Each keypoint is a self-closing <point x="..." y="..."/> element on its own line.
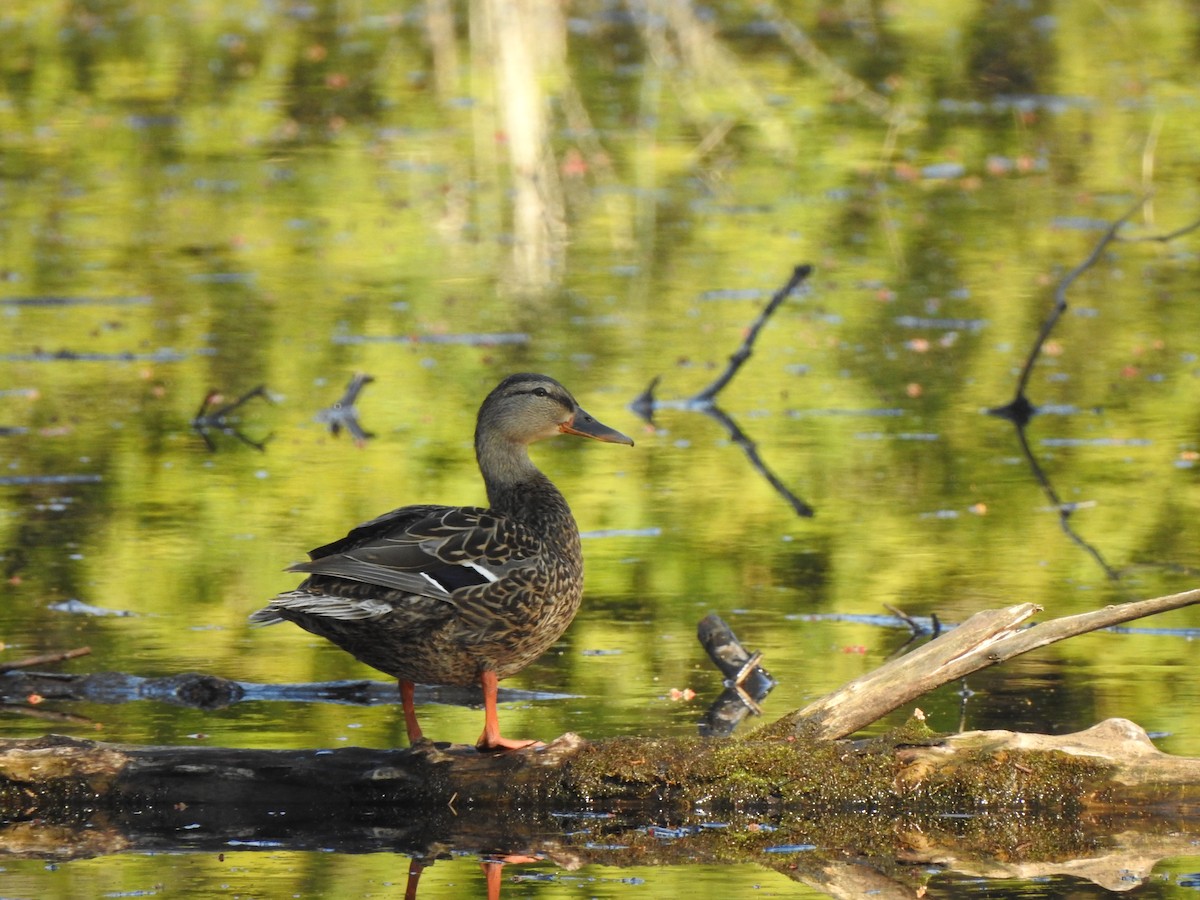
<point x="410" y="712"/>
<point x="490" y="739"/>
<point x="493" y="866"/>
<point x="414" y="878"/>
<point x="491" y="871"/>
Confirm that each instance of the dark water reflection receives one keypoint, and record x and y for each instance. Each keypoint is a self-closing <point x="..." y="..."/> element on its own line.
<point x="208" y="199"/>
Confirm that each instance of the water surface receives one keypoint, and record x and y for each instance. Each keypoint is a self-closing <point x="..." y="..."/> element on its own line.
<point x="210" y="198"/>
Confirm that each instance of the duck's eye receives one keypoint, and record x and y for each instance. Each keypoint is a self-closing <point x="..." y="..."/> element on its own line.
<point x="540" y="392"/>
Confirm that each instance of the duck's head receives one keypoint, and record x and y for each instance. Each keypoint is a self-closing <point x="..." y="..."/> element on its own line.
<point x="524" y="408"/>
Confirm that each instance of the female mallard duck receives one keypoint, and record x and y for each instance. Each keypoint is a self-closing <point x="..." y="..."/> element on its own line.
<point x="460" y="594"/>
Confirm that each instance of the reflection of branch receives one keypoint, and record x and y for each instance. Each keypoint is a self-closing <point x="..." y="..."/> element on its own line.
<point x="220" y="418"/>
<point x="1064" y="509"/>
<point x="43" y="658"/>
<point x="1161" y="238"/>
<point x="806" y="49"/>
<point x="1020" y="411"/>
<point x="646" y="404"/>
<point x="751" y="450"/>
<point x="343" y="414"/>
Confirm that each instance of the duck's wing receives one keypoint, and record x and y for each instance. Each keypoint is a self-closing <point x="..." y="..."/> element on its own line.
<point x="427" y="551"/>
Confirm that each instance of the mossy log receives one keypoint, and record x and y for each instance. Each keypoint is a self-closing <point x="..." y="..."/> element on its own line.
<point x="1112" y="767"/>
<point x="838" y="815"/>
<point x="907" y="795"/>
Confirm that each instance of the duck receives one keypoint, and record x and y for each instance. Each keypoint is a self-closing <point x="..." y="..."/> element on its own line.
<point x="460" y="595"/>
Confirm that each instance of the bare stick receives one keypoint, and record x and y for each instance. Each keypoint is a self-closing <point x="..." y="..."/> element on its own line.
<point x="44" y="658"/>
<point x="1060" y="293"/>
<point x="985" y="639"/>
<point x="708" y="395"/>
<point x="1162" y="238"/>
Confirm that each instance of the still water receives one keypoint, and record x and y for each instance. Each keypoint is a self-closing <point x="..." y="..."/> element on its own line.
<point x="214" y="198"/>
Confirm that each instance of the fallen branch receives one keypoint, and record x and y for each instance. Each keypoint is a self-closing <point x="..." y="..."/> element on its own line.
<point x="44" y="658"/>
<point x="985" y="639"/>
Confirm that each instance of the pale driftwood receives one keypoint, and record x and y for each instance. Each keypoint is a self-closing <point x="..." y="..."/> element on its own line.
<point x="987" y="638"/>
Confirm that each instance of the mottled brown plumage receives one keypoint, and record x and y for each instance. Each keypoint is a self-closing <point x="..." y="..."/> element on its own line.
<point x="456" y="595"/>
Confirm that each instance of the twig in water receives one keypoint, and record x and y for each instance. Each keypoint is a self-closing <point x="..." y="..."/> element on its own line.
<point x="343" y="414"/>
<point x="1020" y="411"/>
<point x="916" y="627"/>
<point x="220" y="418"/>
<point x="708" y="395"/>
<point x="44" y="658"/>
<point x="1019" y="408"/>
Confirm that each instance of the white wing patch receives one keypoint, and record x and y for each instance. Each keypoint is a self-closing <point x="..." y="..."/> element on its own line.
<point x="484" y="571"/>
<point x="441" y="588"/>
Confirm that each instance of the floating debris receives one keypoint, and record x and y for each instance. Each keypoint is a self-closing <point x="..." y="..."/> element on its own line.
<point x="78" y="607"/>
<point x="221" y="418"/>
<point x="343" y="414"/>
<point x="50" y="479"/>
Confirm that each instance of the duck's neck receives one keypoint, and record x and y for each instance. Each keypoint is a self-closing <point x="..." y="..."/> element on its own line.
<point x="517" y="488"/>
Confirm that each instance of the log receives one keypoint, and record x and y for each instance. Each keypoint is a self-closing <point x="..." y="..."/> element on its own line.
<point x="908" y="794"/>
<point x="1112" y="766"/>
<point x="1098" y="804"/>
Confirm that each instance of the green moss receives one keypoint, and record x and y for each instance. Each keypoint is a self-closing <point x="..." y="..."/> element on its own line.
<point x="903" y="770"/>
